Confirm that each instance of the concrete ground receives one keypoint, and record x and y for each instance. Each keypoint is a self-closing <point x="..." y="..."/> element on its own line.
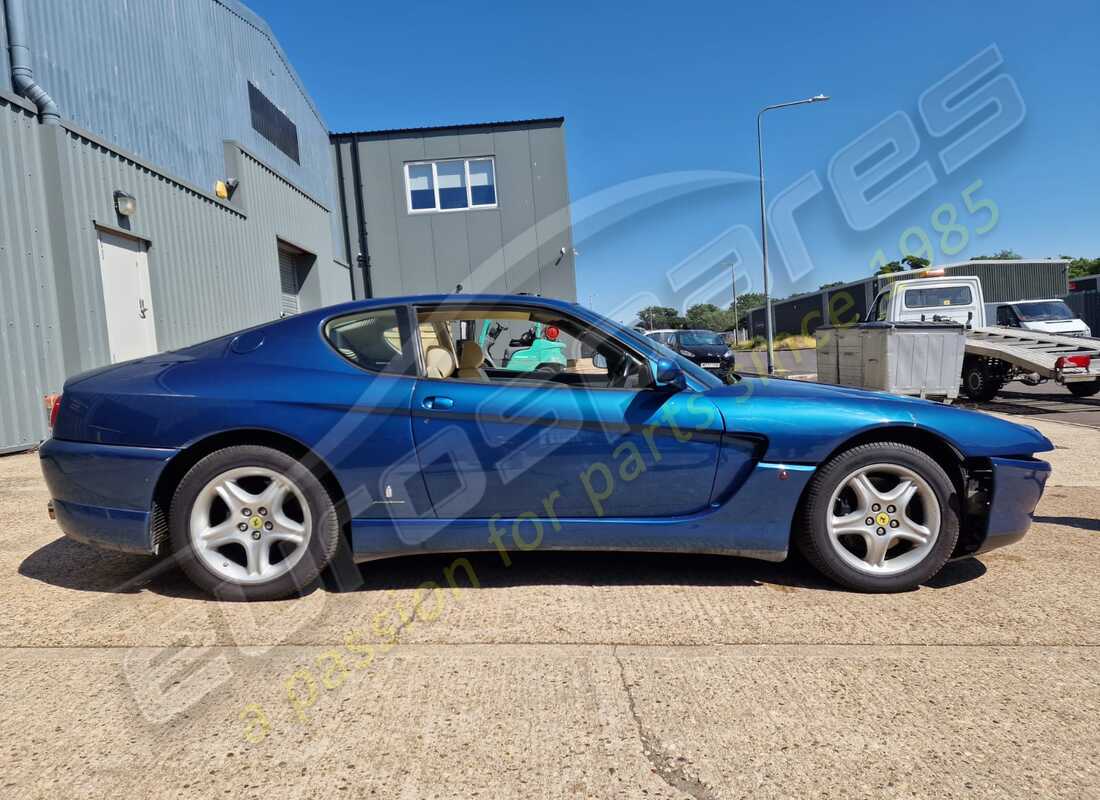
<point x="564" y="675"/>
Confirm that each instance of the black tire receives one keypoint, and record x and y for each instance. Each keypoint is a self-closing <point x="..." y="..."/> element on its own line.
<point x="979" y="385"/>
<point x="323" y="540"/>
<point x="1083" y="388"/>
<point x="812" y="539"/>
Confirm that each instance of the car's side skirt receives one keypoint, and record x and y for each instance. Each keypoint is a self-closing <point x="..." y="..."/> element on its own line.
<point x="754" y="523"/>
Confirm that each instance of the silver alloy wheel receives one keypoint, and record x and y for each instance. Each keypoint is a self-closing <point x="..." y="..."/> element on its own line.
<point x="225" y="514"/>
<point x="877" y="534"/>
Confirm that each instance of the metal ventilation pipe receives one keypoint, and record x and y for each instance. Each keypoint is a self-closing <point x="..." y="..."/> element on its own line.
<point x="22" y="74"/>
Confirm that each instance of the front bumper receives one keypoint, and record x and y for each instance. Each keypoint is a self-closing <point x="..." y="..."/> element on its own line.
<point x="1017" y="487"/>
<point x="103" y="494"/>
<point x="725" y="365"/>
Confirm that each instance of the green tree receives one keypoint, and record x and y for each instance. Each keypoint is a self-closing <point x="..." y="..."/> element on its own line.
<point x="1000" y="255"/>
<point x="890" y="267"/>
<point x="915" y="262"/>
<point x="1080" y="267"/>
<point x="710" y="317"/>
<point x="748" y="301"/>
<point x="653" y="317"/>
<point x="830" y="285"/>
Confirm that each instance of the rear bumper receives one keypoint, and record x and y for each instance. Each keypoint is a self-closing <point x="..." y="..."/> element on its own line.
<point x="1017" y="487"/>
<point x="103" y="494"/>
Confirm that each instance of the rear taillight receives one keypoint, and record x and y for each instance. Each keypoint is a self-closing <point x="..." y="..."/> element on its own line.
<point x="1072" y="361"/>
<point x="53" y="405"/>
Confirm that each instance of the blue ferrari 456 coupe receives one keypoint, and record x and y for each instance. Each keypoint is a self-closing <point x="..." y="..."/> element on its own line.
<point x="390" y="426"/>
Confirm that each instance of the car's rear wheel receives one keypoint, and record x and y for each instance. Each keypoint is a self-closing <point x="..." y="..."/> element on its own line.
<point x="881" y="517"/>
<point x="1083" y="388"/>
<point x="252" y="523"/>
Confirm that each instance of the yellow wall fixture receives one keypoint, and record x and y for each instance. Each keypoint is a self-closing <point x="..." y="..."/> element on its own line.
<point x="225" y="189"/>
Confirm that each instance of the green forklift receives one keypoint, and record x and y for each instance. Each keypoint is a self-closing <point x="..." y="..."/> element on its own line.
<point x="537" y="348"/>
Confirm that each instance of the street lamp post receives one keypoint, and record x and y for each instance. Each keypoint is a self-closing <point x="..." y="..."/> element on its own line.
<point x="764" y="217"/>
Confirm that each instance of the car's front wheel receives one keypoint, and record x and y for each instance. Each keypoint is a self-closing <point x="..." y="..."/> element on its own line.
<point x="252" y="523"/>
<point x="881" y="517"/>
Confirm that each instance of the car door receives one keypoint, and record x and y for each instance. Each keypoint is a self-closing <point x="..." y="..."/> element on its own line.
<point x="520" y="447"/>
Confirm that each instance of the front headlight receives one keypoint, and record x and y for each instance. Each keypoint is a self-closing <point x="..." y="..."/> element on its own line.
<point x="686" y="353"/>
<point x="729" y="354"/>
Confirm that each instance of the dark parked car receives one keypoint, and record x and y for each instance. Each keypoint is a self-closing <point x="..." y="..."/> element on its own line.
<point x="706" y="348"/>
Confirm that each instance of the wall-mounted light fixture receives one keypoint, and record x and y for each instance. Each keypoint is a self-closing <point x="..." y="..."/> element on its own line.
<point x="225" y="189"/>
<point x="125" y="204"/>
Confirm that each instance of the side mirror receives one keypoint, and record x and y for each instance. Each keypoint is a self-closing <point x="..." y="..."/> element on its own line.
<point x="599" y="361"/>
<point x="670" y="376"/>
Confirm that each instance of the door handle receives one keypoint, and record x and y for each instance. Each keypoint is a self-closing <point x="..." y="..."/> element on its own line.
<point x="436" y="403"/>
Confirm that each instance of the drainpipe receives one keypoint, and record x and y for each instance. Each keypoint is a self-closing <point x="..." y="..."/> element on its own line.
<point x="22" y="74"/>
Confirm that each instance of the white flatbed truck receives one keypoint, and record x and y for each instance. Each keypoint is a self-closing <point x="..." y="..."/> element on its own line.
<point x="994" y="355"/>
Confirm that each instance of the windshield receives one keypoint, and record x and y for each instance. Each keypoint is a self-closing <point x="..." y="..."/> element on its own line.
<point x="701" y="339"/>
<point x="1046" y="310"/>
<point x="629" y="334"/>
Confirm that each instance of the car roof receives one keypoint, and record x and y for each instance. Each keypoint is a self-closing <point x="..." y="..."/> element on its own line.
<point x="444" y="299"/>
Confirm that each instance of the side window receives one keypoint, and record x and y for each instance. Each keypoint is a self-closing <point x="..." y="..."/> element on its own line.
<point x="1004" y="317"/>
<point x="880" y="309"/>
<point x="371" y="340"/>
<point x="505" y="345"/>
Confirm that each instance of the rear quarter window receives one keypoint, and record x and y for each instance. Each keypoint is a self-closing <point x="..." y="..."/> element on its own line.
<point x="371" y="340"/>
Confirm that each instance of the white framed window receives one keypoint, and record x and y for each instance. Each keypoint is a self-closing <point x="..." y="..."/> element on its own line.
<point x="452" y="184"/>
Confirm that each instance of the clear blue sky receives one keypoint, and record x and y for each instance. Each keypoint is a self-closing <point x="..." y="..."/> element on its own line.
<point x="673" y="88"/>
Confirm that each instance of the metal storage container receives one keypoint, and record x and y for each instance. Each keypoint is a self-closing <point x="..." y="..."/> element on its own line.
<point x="914" y="358"/>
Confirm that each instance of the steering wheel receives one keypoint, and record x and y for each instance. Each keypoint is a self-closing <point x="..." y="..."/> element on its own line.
<point x="618" y="373"/>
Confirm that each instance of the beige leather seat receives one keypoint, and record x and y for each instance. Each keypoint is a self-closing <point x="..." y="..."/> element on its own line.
<point x="439" y="362"/>
<point x="470" y="361"/>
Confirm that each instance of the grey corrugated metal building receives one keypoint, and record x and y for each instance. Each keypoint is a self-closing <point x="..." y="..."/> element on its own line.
<point x="483" y="206"/>
<point x="178" y="183"/>
<point x="848" y="303"/>
<point x="155" y="102"/>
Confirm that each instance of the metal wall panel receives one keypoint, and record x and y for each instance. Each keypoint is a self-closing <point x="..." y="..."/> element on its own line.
<point x="1086" y="305"/>
<point x="802" y="315"/>
<point x="214" y="268"/>
<point x="167" y="80"/>
<point x="553" y="227"/>
<point x="514" y="247"/>
<point x="1009" y="280"/>
<point x="30" y="353"/>
<point x="847" y="305"/>
<point x="516" y="202"/>
<point x="1023" y="280"/>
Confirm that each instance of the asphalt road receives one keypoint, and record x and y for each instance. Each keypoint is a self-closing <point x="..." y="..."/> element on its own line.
<point x="1047" y="401"/>
<point x="561" y="676"/>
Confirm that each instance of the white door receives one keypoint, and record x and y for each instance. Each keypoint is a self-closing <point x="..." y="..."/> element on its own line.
<point x="289" y="283"/>
<point x="127" y="300"/>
